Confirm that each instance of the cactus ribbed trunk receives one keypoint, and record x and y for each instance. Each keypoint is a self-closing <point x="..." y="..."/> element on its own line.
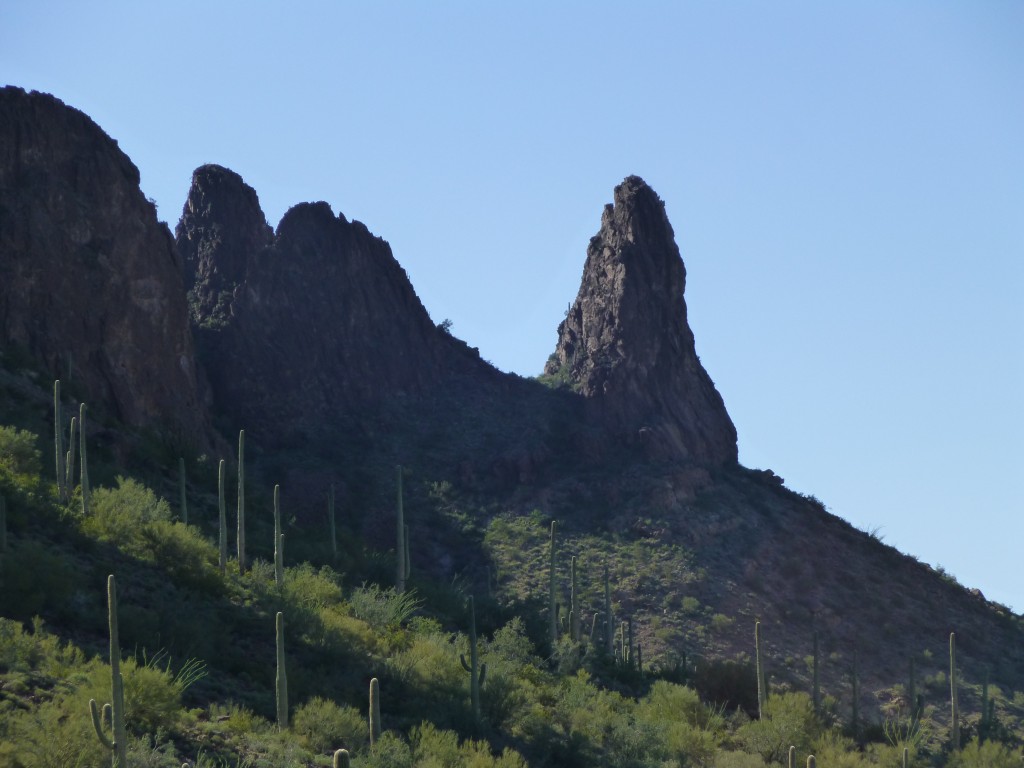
<point x="477" y="671"/>
<point x="374" y="712"/>
<point x="3" y="524"/>
<point x="762" y="692"/>
<point x="69" y="466"/>
<point x="240" y="536"/>
<point x="118" y="743"/>
<point x="552" y="602"/>
<point x="85" y="466"/>
<point x="341" y="759"/>
<point x="400" y="553"/>
<point x="222" y="519"/>
<point x="282" y="676"/>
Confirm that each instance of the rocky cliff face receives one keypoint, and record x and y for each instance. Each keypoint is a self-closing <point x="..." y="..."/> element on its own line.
<point x="86" y="269"/>
<point x="300" y="328"/>
<point x="626" y="345"/>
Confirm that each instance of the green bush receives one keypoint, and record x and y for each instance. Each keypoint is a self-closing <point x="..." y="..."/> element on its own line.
<point x="18" y="452"/>
<point x="991" y="754"/>
<point x="383" y="608"/>
<point x="117" y="514"/>
<point x="389" y="752"/>
<point x="788" y="719"/>
<point x="326" y="726"/>
<point x="36" y="651"/>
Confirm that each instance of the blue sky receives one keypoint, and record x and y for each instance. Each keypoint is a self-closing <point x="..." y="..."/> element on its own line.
<point x="846" y="183"/>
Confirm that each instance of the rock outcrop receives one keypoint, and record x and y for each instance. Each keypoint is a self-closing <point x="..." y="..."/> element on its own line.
<point x="87" y="271"/>
<point x="626" y="346"/>
<point x="301" y="328"/>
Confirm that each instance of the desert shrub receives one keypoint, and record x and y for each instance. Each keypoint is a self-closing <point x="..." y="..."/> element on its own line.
<point x="117" y="514"/>
<point x="326" y="726"/>
<point x="388" y="752"/>
<point x="22" y="651"/>
<point x="383" y="608"/>
<point x="18" y="452"/>
<point x="991" y="754"/>
<point x="56" y="734"/>
<point x="737" y="760"/>
<point x="433" y="748"/>
<point x="788" y="719"/>
<point x="181" y="551"/>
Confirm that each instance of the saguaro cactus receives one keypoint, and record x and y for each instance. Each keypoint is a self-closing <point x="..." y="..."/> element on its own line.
<point x="282" y="676"/>
<point x="792" y="757"/>
<point x="374" y="711"/>
<point x="85" y="466"/>
<point x="240" y="538"/>
<point x="811" y="762"/>
<point x="477" y="672"/>
<point x="69" y="465"/>
<point x="552" y="602"/>
<point x="341" y="759"/>
<point x="762" y="689"/>
<point x="400" y="554"/>
<point x="912" y="692"/>
<point x="222" y="519"/>
<point x="181" y="491"/>
<point x="954" y="725"/>
<point x="118" y="742"/>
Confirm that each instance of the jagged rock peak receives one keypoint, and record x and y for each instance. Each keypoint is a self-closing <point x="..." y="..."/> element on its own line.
<point x="626" y="345"/>
<point x="89" y="279"/>
<point x="221" y="226"/>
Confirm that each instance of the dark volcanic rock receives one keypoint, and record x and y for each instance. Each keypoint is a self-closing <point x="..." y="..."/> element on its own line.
<point x="221" y="227"/>
<point x="87" y="270"/>
<point x="307" y="326"/>
<point x="626" y="344"/>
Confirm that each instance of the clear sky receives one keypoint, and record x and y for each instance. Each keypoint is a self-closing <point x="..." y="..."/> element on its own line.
<point x="846" y="183"/>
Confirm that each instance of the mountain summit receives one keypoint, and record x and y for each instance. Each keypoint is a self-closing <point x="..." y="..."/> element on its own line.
<point x="625" y="343"/>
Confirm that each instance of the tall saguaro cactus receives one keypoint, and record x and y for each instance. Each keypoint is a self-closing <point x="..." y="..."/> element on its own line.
<point x="477" y="672"/>
<point x="341" y="759"/>
<point x="222" y="519"/>
<point x="400" y="545"/>
<point x="117" y="743"/>
<point x="954" y="725"/>
<point x="240" y="538"/>
<point x="552" y="603"/>
<point x="762" y="691"/>
<point x="855" y="710"/>
<point x="374" y="711"/>
<point x="85" y="466"/>
<point x="69" y="464"/>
